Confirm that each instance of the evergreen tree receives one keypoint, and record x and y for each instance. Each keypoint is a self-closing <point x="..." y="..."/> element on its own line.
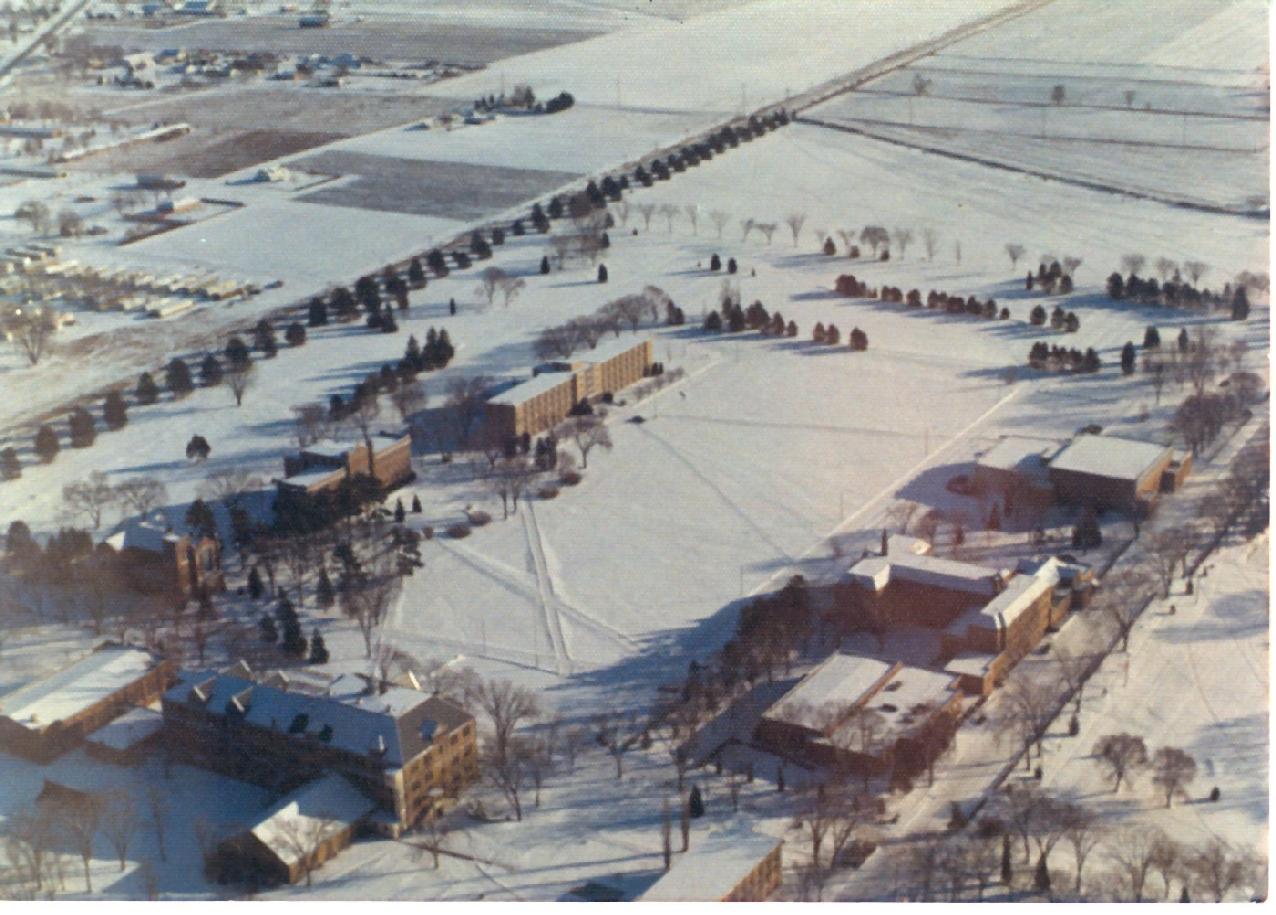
<point x="696" y="803"/>
<point x="295" y="334"/>
<point x="324" y="595"/>
<point x="555" y="209"/>
<point x="1037" y="316"/>
<point x="10" y="466"/>
<point x="291" y="639"/>
<point x="318" y="650"/>
<point x="1184" y="896"/>
<point x="237" y="355"/>
<point x="437" y="262"/>
<point x="197" y="448"/>
<point x="200" y="520"/>
<point x="343" y="303"/>
<point x="83" y="429"/>
<point x="713" y="322"/>
<point x="177" y="377"/>
<point x="318" y="313"/>
<point x="715" y="263"/>
<point x="264" y="339"/>
<point x="451" y="306"/>
<point x="1128" y="357"/>
<point x="518" y="229"/>
<point x="731" y="265"/>
<point x="735" y="322"/>
<point x="46" y="446"/>
<point x="1240" y="305"/>
<point x="413" y="353"/>
<point x="602" y="273"/>
<point x="210" y="371"/>
<point x="1151" y="338"/>
<point x="147" y="391"/>
<point x="416" y="274"/>
<point x="540" y="222"/>
<point x="443" y="350"/>
<point x="254" y="584"/>
<point x="416" y="505"/>
<point x="544" y="264"/>
<point x="114" y="411"/>
<point x="1183" y="341"/>
<point x="269" y="634"/>
<point x="388" y="324"/>
<point x="399" y="513"/>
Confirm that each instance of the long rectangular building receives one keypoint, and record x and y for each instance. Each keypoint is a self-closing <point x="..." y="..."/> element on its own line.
<point x="545" y="400"/>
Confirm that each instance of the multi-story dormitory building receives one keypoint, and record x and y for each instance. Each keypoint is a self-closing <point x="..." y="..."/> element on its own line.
<point x="542" y="402"/>
<point x="403" y="749"/>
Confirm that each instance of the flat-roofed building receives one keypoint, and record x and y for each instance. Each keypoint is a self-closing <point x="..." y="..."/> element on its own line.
<point x="1017" y="469"/>
<point x="817" y="721"/>
<point x="542" y="402"/>
<point x="155" y="558"/>
<point x="732" y="864"/>
<point x="1108" y="472"/>
<point x="128" y="739"/>
<point x="322" y="466"/>
<point x="51" y="715"/>
<point x="407" y="751"/>
<point x="907" y="589"/>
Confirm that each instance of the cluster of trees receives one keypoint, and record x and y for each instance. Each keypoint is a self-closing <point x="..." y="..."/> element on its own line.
<point x="771" y="629"/>
<point x="1045" y="357"/>
<point x="1125" y="756"/>
<point x="1025" y="824"/>
<point x="90" y="499"/>
<point x="1050" y="274"/>
<point x="561" y="341"/>
<point x="1173" y="291"/>
<point x="1060" y="320"/>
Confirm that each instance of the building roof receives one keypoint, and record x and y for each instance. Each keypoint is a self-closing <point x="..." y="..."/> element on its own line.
<point x="128" y="730"/>
<point x="1025" y="456"/>
<point x="713" y="866"/>
<point x="313" y="476"/>
<point x="1109" y="456"/>
<point x="607" y="349"/>
<point x="75" y="688"/>
<point x="840" y="681"/>
<point x="876" y="572"/>
<point x="532" y="387"/>
<point x="395" y="725"/>
<point x="317" y="809"/>
<point x="909" y="689"/>
<point x="151" y="533"/>
<point x="971" y="663"/>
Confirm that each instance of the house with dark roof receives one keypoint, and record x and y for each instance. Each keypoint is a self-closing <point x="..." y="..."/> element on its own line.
<point x="405" y="750"/>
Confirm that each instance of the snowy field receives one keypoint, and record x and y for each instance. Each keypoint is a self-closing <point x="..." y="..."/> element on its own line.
<point x="1166" y="120"/>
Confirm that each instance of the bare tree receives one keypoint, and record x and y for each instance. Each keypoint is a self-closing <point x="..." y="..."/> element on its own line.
<point x="1195" y="270"/>
<point x="119" y="823"/>
<point x="646" y="211"/>
<point x="1166" y="268"/>
<point x="719" y="218"/>
<point x="303" y="835"/>
<point x="409" y="398"/>
<point x="621" y="209"/>
<point x="507" y="707"/>
<point x="29" y="840"/>
<point x="903" y="238"/>
<point x="434" y="832"/>
<point x="848" y="239"/>
<point x="1122" y="755"/>
<point x="229" y="485"/>
<point x="587" y="432"/>
<point x="875" y="237"/>
<point x="1026" y="710"/>
<point x="1073" y="670"/>
<point x="310" y="423"/>
<point x="490" y="280"/>
<point x="930" y="240"/>
<point x="90" y="498"/>
<point x="1218" y="868"/>
<point x="1167" y="550"/>
<point x="666" y="831"/>
<point x="367" y="599"/>
<point x="555" y="342"/>
<point x="670" y="212"/>
<point x="767" y="229"/>
<point x="1122" y="599"/>
<point x="693" y="216"/>
<point x="1173" y="770"/>
<point x="32" y="333"/>
<point x="1083" y="831"/>
<point x="1133" y="850"/>
<point x="141" y="494"/>
<point x="1133" y="263"/>
<point x="239" y="377"/>
<point x="795" y="222"/>
<point x="78" y="825"/>
<point x="1167" y="855"/>
<point x="465" y="398"/>
<point x="611" y="730"/>
<point x="1070" y="265"/>
<point x="900" y="514"/>
<point x="508" y="771"/>
<point x="511" y="286"/>
<point x="1014" y="252"/>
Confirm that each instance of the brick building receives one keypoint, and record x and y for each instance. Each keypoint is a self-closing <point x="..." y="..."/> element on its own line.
<point x="1017" y="470"/>
<point x="542" y="402"/>
<point x="323" y="466"/>
<point x="733" y="864"/>
<point x="1106" y="472"/>
<point x="156" y="559"/>
<point x="49" y="716"/>
<point x="817" y="721"/>
<point x="405" y="750"/>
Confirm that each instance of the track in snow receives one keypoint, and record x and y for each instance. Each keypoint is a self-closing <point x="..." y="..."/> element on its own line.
<point x="545" y="592"/>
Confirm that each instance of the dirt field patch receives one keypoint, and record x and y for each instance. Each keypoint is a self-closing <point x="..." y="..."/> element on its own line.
<point x="454" y="190"/>
<point x="205" y="154"/>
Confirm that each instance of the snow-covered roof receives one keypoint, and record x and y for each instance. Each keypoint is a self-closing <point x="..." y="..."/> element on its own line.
<point x="75" y="688"/>
<point x="395" y="725"/>
<point x="1020" y="594"/>
<point x="313" y="476"/>
<point x="607" y="349"/>
<point x="713" y="866"/>
<point x="907" y="689"/>
<point x="1109" y="456"/>
<point x="876" y="572"/>
<point x="898" y="544"/>
<point x="128" y="730"/>
<point x="972" y="663"/>
<point x="1024" y="456"/>
<point x="840" y="681"/>
<point x="532" y="387"/>
<point x="316" y="810"/>
<point x="151" y="533"/>
<point x="328" y="448"/>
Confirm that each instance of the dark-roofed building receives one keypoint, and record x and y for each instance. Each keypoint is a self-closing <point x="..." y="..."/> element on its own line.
<point x="402" y="748"/>
<point x="1109" y="472"/>
<point x="156" y="559"/>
